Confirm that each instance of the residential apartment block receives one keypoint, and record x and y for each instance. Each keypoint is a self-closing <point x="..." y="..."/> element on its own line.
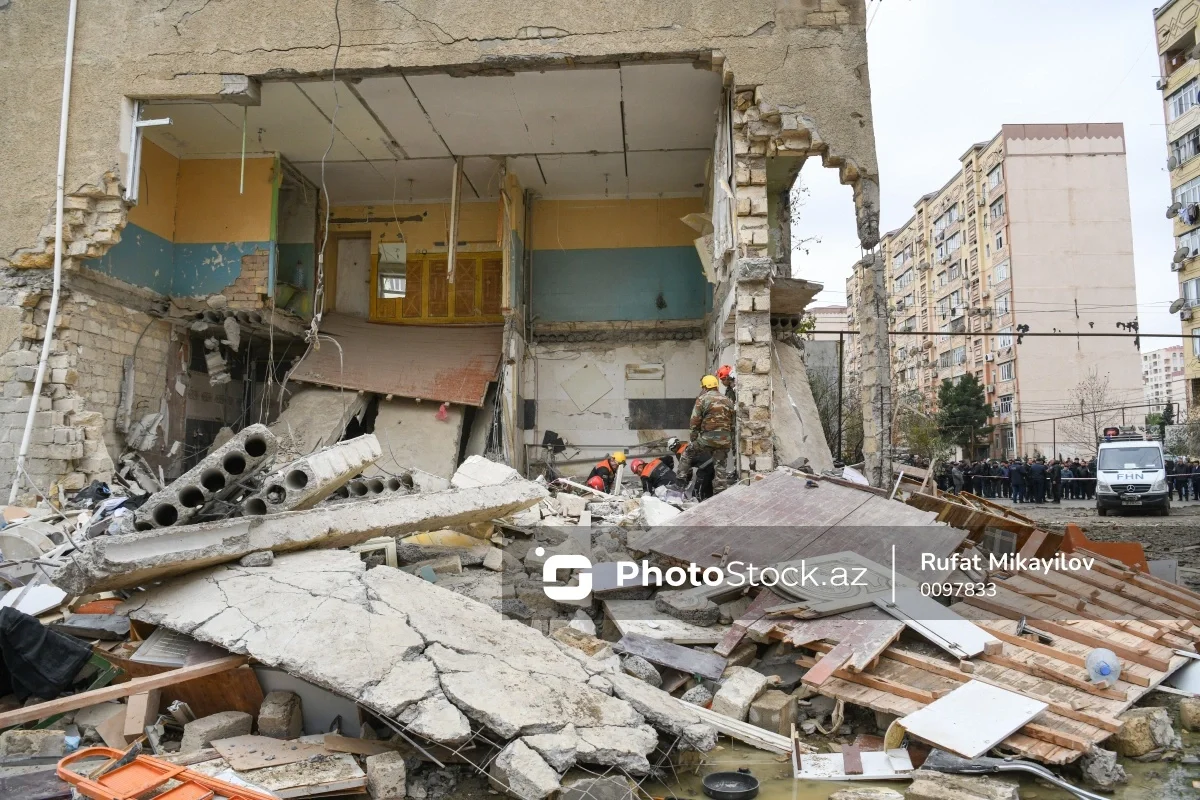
<point x="1033" y="230"/>
<point x="1163" y="382"/>
<point x="1175" y="25"/>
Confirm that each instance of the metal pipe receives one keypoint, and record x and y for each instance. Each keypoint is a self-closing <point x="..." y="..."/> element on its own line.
<point x="60" y="184"/>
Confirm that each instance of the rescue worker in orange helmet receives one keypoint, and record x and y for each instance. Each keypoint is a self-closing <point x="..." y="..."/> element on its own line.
<point x="654" y="473"/>
<point x="601" y="476"/>
<point x="725" y="376"/>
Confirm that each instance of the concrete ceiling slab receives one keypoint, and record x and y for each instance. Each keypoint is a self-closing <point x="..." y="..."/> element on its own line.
<point x="352" y="120"/>
<point x="559" y="111"/>
<point x="600" y="175"/>
<point x="287" y="121"/>
<point x="669" y="106"/>
<point x="672" y="172"/>
<point x="196" y="129"/>
<point x="371" y="182"/>
<point x="397" y="108"/>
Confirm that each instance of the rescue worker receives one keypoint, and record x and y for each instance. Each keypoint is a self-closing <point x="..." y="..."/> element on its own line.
<point x="725" y="376"/>
<point x="654" y="473"/>
<point x="712" y="433"/>
<point x="601" y="476"/>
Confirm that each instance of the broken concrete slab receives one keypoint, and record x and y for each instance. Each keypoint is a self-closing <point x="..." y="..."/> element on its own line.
<point x="260" y="558"/>
<point x="307" y="481"/>
<point x="413" y="642"/>
<point x="571" y="505"/>
<point x="656" y="512"/>
<point x="135" y="559"/>
<point x="315" y="417"/>
<point x="522" y="773"/>
<point x="624" y="748"/>
<point x="698" y="695"/>
<point x="688" y="606"/>
<point x="386" y="776"/>
<point x="1143" y="730"/>
<point x="1189" y="713"/>
<point x="665" y="712"/>
<point x="1101" y="770"/>
<point x="200" y="733"/>
<point x="215" y="477"/>
<point x="478" y="471"/>
<point x="740" y="687"/>
<point x="585" y="786"/>
<point x="281" y="716"/>
<point x="558" y="749"/>
<point x="641" y="669"/>
<point x="38" y="743"/>
<point x="929" y="785"/>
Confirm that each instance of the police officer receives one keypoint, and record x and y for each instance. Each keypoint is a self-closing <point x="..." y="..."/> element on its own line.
<point x="712" y="433"/>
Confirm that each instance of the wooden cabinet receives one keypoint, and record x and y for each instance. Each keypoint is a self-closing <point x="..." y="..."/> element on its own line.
<point x="475" y="296"/>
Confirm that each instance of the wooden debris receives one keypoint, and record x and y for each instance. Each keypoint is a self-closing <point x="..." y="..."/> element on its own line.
<point x="663" y="653"/>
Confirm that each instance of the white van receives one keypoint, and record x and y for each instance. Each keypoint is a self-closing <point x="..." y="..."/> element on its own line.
<point x="1131" y="474"/>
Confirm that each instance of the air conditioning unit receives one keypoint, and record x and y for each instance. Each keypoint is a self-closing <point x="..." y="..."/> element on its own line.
<point x="1161" y="85"/>
<point x="990" y="388"/>
<point x="989" y="357"/>
<point x="1176" y="266"/>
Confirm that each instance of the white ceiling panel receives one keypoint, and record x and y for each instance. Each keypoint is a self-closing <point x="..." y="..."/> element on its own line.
<point x="288" y="122"/>
<point x="675" y="172"/>
<point x="584" y="175"/>
<point x="484" y="175"/>
<point x="396" y="107"/>
<point x="196" y="129"/>
<point x="669" y="106"/>
<point x="531" y="112"/>
<point x="377" y="182"/>
<point x="354" y="121"/>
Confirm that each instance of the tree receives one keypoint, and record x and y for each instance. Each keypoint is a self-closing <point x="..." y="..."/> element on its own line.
<point x="920" y="433"/>
<point x="963" y="413"/>
<point x="824" y="385"/>
<point x="1095" y="406"/>
<point x="1165" y="420"/>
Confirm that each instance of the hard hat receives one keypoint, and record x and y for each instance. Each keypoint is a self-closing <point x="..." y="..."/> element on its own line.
<point x="709" y="381"/>
<point x="725" y="371"/>
<point x="673" y="442"/>
<point x="596" y="483"/>
<point x="618" y="457"/>
<point x="636" y="465"/>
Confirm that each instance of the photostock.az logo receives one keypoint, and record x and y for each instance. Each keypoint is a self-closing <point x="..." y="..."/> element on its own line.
<point x="568" y="562"/>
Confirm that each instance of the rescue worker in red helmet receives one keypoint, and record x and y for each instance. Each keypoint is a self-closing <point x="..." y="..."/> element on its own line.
<point x="654" y="473"/>
<point x="725" y="376"/>
<point x="601" y="476"/>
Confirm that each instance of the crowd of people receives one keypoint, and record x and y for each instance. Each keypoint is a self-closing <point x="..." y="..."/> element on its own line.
<point x="1183" y="476"/>
<point x="1022" y="480"/>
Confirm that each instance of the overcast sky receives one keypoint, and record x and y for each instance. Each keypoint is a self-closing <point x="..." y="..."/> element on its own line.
<point x="948" y="73"/>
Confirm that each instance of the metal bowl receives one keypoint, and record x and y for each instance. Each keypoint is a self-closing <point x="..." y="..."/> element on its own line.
<point x="731" y="785"/>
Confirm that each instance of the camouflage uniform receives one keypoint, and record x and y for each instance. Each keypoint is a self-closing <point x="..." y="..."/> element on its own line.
<point x="712" y="431"/>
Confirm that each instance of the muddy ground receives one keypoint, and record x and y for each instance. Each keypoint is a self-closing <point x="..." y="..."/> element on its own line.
<point x="1176" y="536"/>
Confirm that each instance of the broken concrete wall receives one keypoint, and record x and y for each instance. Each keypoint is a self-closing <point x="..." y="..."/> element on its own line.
<point x="619" y="391"/>
<point x="76" y="433"/>
<point x="413" y="437"/>
<point x="796" y="420"/>
<point x="134" y="559"/>
<point x="303" y="483"/>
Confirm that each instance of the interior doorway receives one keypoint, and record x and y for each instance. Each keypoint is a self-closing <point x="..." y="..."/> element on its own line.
<point x="353" y="292"/>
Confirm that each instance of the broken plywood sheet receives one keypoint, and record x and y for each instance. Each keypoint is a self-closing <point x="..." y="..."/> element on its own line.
<point x="778" y="519"/>
<point x="253" y="752"/>
<point x="972" y="719"/>
<point x="585" y="386"/>
<point x="875" y="766"/>
<point x="315" y="417"/>
<point x="861" y="635"/>
<point x="332" y="773"/>
<point x="412" y="436"/>
<point x="941" y="625"/>
<point x="641" y="617"/>
<point x="663" y="653"/>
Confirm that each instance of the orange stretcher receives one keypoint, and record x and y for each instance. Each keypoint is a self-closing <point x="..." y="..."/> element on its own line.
<point x="146" y="773"/>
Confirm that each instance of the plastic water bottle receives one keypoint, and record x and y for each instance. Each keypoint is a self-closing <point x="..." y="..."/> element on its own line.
<point x="1103" y="667"/>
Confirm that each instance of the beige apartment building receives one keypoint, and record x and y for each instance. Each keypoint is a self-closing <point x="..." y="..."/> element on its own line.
<point x="1175" y="25"/>
<point x="1163" y="382"/>
<point x="1034" y="229"/>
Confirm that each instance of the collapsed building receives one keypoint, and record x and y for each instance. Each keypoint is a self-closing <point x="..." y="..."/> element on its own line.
<point x="525" y="231"/>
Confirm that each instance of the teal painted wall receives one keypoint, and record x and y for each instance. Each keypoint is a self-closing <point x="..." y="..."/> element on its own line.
<point x="619" y="284"/>
<point x="297" y="263"/>
<point x="145" y="259"/>
<point x="141" y="258"/>
<point x="517" y="270"/>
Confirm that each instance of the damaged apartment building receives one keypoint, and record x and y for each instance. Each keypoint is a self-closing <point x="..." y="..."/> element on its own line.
<point x="513" y="229"/>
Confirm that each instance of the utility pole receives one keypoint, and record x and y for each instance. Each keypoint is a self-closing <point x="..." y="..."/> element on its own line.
<point x="841" y="380"/>
<point x="876" y="373"/>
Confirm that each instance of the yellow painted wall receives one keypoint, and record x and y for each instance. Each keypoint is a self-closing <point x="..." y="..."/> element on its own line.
<point x="478" y="225"/>
<point x="155" y="210"/>
<point x="209" y="207"/>
<point x="608" y="224"/>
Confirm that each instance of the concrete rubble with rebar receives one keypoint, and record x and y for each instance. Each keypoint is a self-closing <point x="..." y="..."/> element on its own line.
<point x="307" y="481"/>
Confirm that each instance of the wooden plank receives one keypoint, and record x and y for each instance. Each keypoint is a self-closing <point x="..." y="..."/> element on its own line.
<point x="1176" y="594"/>
<point x="745" y="732"/>
<point x="1055" y="736"/>
<point x="753" y="613"/>
<point x="972" y="719"/>
<point x="829" y="663"/>
<point x="875" y="682"/>
<point x="235" y="690"/>
<point x="684" y="659"/>
<point x="336" y="743"/>
<point x="255" y="752"/>
<point x="1034" y="542"/>
<point x="1076" y="634"/>
<point x="852" y="760"/>
<point x="117" y="691"/>
<point x="1058" y="677"/>
<point x="141" y="710"/>
<point x="865" y="631"/>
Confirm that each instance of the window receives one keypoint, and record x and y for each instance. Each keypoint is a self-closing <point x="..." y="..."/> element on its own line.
<point x="995" y="176"/>
<point x="1186" y="147"/>
<point x="904" y="279"/>
<point x="1005" y="338"/>
<point x="953" y="243"/>
<point x="1195" y="342"/>
<point x="1000" y="273"/>
<point x="1188" y="193"/>
<point x="911" y="374"/>
<point x="1006" y="371"/>
<point x="1005" y="404"/>
<point x="1180" y="102"/>
<point x="942" y="278"/>
<point x="1191" y="291"/>
<point x="1190" y="240"/>
<point x="910" y="324"/>
<point x="1002" y="305"/>
<point x="997" y="208"/>
<point x="999" y="241"/>
<point x="960" y="354"/>
<point x="943" y="333"/>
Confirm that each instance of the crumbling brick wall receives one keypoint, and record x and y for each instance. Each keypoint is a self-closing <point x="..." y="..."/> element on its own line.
<point x="249" y="291"/>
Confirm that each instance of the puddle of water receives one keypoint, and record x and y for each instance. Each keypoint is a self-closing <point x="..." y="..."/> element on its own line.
<point x="1153" y="781"/>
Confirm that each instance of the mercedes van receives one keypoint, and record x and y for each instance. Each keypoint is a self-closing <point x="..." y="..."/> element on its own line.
<point x="1131" y="475"/>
